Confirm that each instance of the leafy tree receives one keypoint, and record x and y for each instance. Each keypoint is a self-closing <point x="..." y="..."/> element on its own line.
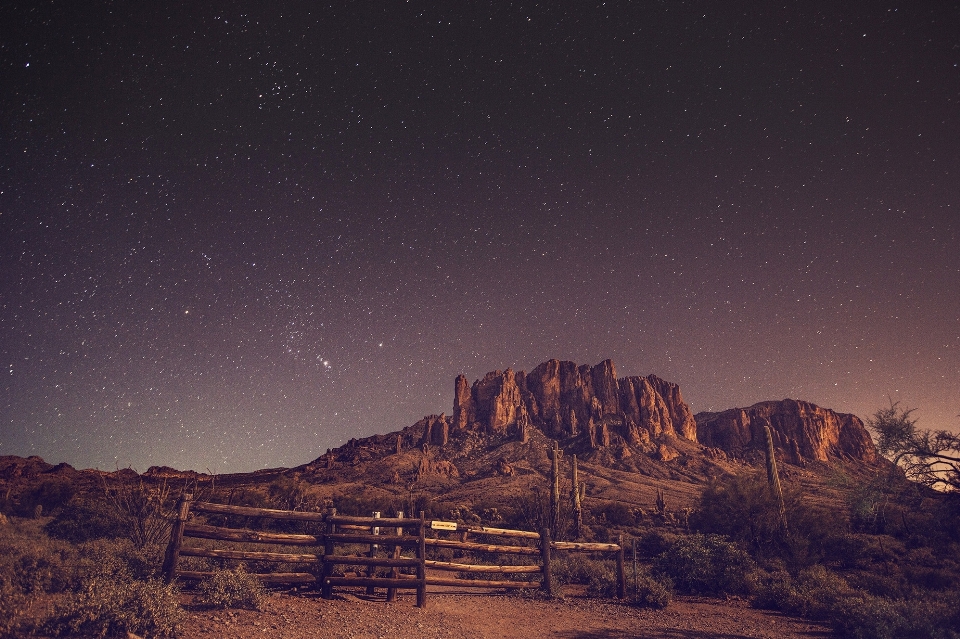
<point x="928" y="457"/>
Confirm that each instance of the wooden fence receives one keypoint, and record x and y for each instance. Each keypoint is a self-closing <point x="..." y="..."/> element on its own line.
<point x="334" y="530"/>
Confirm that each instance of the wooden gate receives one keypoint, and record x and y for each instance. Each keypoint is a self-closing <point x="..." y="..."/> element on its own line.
<point x="334" y="530"/>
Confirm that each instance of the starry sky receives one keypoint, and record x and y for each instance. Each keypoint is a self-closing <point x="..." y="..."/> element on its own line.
<point x="236" y="234"/>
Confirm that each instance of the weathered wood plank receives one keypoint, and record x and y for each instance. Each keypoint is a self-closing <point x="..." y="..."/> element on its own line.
<point x="375" y="582"/>
<point x="200" y="531"/>
<point x="383" y="522"/>
<point x="248" y="555"/>
<point x="267" y="578"/>
<point x="351" y="538"/>
<point x="224" y="509"/>
<point x="386" y="562"/>
<point x="475" y="547"/>
<point x="478" y="583"/>
<point x="585" y="547"/>
<point x="507" y="570"/>
<point x="172" y="557"/>
<point x="500" y="532"/>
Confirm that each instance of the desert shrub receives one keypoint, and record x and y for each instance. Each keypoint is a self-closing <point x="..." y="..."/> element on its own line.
<point x="649" y="591"/>
<point x="49" y="494"/>
<point x="31" y="562"/>
<point x="118" y="557"/>
<point x="771" y="590"/>
<point x="653" y="543"/>
<point x="147" y="510"/>
<point x="615" y="514"/>
<point x="105" y="585"/>
<point x="83" y="519"/>
<point x="743" y="509"/>
<point x="231" y="588"/>
<point x="12" y="602"/>
<point x="869" y="617"/>
<point x="107" y="606"/>
<point x="602" y="580"/>
<point x="849" y="550"/>
<point x="705" y="564"/>
<point x="573" y="568"/>
<point x="817" y="592"/>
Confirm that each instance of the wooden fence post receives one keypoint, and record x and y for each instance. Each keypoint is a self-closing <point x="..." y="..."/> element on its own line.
<point x="371" y="569"/>
<point x="422" y="566"/>
<point x="621" y="573"/>
<point x="326" y="589"/>
<point x="172" y="557"/>
<point x="395" y="572"/>
<point x="547" y="584"/>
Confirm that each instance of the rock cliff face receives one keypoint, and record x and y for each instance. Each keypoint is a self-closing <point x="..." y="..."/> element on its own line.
<point x="568" y="401"/>
<point x="803" y="431"/>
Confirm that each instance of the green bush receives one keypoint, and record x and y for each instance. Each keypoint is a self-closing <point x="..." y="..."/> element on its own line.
<point x="615" y="513"/>
<point x="743" y="509"/>
<point x="85" y="519"/>
<point x="602" y="581"/>
<point x="654" y="543"/>
<point x="106" y="586"/>
<point x="650" y="592"/>
<point x="705" y="564"/>
<point x="49" y="494"/>
<point x="31" y="562"/>
<point x="574" y="568"/>
<point x="231" y="588"/>
<point x="108" y="607"/>
<point x="818" y="593"/>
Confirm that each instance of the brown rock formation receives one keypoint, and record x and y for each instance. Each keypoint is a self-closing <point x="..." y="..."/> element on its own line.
<point x="565" y="400"/>
<point x="801" y="430"/>
<point x="436" y="430"/>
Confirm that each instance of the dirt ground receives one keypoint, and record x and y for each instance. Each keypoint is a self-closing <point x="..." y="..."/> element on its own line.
<point x="463" y="615"/>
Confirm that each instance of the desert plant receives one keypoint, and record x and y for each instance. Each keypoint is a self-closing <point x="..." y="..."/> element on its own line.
<point x="231" y="588"/>
<point x="744" y="509"/>
<point x="930" y="458"/>
<point x="603" y="579"/>
<point x="146" y="510"/>
<point x="651" y="592"/>
<point x="48" y="494"/>
<point x="107" y="607"/>
<point x="705" y="564"/>
<point x="86" y="518"/>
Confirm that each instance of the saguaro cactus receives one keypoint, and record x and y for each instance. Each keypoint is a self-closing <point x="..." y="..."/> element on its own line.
<point x="576" y="497"/>
<point x="773" y="478"/>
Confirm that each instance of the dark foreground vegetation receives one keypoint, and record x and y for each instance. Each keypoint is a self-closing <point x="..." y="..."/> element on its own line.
<point x="884" y="564"/>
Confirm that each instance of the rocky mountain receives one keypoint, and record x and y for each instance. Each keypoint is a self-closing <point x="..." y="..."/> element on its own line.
<point x="588" y="408"/>
<point x="801" y="430"/>
<point x="635" y="437"/>
<point x="585" y="404"/>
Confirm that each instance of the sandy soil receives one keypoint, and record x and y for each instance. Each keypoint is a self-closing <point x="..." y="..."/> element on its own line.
<point x="464" y="615"/>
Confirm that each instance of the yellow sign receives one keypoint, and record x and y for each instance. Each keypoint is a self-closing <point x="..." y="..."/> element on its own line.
<point x="443" y="525"/>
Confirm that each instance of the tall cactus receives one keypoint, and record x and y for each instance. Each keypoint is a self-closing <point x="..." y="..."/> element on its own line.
<point x="773" y="478"/>
<point x="577" y="501"/>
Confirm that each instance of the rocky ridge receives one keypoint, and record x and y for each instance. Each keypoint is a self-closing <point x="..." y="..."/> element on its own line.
<point x="801" y="431"/>
<point x="589" y="410"/>
<point x="632" y="436"/>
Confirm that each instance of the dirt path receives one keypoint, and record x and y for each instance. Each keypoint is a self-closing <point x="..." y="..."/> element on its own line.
<point x="493" y="616"/>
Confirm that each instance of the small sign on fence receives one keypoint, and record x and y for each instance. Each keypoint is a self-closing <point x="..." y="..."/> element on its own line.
<point x="443" y="525"/>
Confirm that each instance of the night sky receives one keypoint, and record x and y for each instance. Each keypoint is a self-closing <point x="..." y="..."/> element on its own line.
<point x="233" y="235"/>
